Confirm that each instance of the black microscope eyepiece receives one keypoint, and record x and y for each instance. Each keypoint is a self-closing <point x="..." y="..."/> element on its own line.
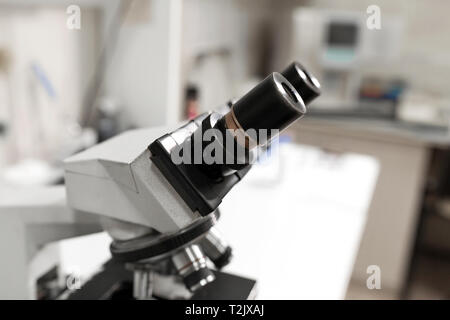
<point x="273" y="104"/>
<point x="304" y="82"/>
<point x="206" y="161"/>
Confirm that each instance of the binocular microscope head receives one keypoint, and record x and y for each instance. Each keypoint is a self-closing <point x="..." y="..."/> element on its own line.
<point x="158" y="190"/>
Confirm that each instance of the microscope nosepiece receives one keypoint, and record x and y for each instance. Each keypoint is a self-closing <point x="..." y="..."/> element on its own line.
<point x="304" y="82"/>
<point x="190" y="264"/>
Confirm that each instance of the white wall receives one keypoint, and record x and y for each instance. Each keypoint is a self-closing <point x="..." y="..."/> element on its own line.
<point x="143" y="73"/>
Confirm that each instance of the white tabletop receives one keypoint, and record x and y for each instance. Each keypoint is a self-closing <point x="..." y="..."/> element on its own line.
<point x="295" y="224"/>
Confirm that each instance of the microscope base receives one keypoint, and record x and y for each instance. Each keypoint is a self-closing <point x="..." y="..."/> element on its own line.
<point x="115" y="282"/>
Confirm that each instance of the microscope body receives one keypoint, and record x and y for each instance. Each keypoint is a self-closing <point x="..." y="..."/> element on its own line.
<point x="117" y="179"/>
<point x="161" y="213"/>
<point x="154" y="229"/>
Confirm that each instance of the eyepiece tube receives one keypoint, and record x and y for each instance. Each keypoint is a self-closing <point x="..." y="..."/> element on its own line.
<point x="304" y="82"/>
<point x="253" y="121"/>
<point x="272" y="104"/>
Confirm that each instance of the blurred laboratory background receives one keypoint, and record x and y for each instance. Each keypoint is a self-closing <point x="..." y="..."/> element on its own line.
<point x="369" y="165"/>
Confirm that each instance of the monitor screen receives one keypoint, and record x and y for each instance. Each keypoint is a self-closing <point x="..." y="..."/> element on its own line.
<point x="342" y="34"/>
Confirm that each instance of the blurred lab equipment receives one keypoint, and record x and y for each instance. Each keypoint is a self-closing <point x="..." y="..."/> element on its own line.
<point x="4" y="102"/>
<point x="343" y="52"/>
<point x="43" y="81"/>
<point x="108" y="118"/>
<point x="191" y="102"/>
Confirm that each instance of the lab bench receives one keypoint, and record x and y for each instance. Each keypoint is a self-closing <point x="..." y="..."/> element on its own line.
<point x="403" y="151"/>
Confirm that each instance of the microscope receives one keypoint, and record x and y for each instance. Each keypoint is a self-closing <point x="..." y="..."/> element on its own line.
<point x="158" y="190"/>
